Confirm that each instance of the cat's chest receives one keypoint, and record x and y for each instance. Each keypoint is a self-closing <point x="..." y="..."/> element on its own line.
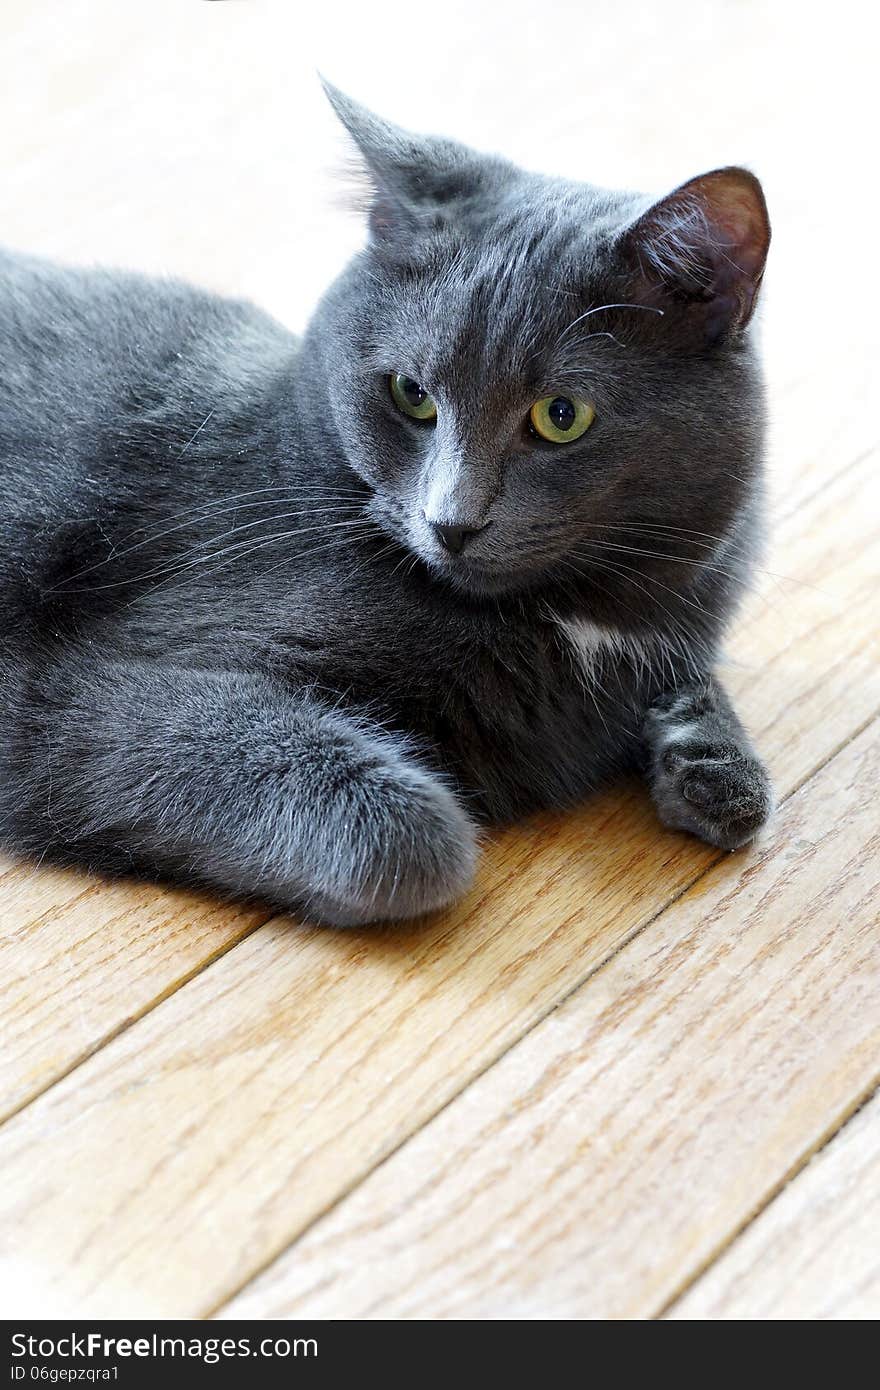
<point x="526" y="709"/>
<point x="527" y="713"/>
<point x="594" y="650"/>
<point x="547" y="719"/>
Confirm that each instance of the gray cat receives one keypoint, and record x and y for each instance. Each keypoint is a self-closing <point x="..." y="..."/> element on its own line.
<point x="292" y="618"/>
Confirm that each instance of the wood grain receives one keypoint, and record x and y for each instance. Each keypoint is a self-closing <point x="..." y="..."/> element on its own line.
<point x="81" y="958"/>
<point x="87" y="173"/>
<point x="258" y="1093"/>
<point x="814" y="1253"/>
<point x="611" y="1152"/>
<point x="194" y="140"/>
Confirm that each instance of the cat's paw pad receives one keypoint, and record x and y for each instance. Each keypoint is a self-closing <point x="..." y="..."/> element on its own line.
<point x="721" y="794"/>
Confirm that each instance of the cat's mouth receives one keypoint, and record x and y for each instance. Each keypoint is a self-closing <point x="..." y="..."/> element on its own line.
<point x="469" y="567"/>
<point x="473" y="574"/>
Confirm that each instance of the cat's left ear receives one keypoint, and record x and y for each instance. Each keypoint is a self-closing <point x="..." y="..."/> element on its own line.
<point x="415" y="180"/>
<point x="699" y="253"/>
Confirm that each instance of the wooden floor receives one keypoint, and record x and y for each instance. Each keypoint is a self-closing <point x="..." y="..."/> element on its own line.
<point x="629" y="1077"/>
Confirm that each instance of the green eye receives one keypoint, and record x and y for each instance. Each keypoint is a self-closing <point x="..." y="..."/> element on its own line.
<point x="412" y="398"/>
<point x="560" y="419"/>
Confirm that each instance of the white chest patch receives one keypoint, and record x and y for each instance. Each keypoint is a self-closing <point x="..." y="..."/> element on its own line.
<point x="594" y="646"/>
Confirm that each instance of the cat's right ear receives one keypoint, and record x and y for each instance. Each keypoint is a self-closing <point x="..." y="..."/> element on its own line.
<point x="698" y="255"/>
<point x="414" y="180"/>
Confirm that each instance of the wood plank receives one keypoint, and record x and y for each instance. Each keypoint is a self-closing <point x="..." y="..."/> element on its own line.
<point x="72" y="196"/>
<point x="807" y="640"/>
<point x="610" y="1153"/>
<point x="82" y="181"/>
<point x="80" y="958"/>
<point x="809" y="447"/>
<point x="72" y="978"/>
<point x="261" y="1091"/>
<point x="814" y="1253"/>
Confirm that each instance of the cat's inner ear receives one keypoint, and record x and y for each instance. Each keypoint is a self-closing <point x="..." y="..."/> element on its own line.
<point x="414" y="181"/>
<point x="703" y="249"/>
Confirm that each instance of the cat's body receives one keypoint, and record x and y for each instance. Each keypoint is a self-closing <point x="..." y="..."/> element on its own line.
<point x="234" y="651"/>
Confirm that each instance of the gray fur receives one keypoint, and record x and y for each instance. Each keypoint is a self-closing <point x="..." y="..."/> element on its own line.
<point x="235" y="652"/>
<point x="704" y="774"/>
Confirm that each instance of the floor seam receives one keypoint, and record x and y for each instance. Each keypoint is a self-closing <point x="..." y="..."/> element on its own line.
<point x="557" y="1004"/>
<point x="211" y="960"/>
<point x="843" y="1120"/>
<point x="156" y="1001"/>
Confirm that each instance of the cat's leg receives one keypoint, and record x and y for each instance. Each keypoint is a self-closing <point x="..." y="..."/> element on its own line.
<point x="704" y="773"/>
<point x="233" y="780"/>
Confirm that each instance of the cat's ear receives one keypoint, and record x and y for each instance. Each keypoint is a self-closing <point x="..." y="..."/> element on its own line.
<point x="699" y="253"/>
<point x="414" y="180"/>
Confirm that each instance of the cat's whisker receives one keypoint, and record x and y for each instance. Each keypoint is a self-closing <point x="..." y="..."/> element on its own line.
<point x="274" y="491"/>
<point x="600" y="308"/>
<point x="193" y="437"/>
<point x="275" y="516"/>
<point x="182" y="525"/>
<point x="714" y="544"/>
<point x="615" y="598"/>
<point x="675" y="532"/>
<point x="319" y="549"/>
<point x="703" y="564"/>
<point x="576" y="344"/>
<point x="184" y="562"/>
<point x="623" y="571"/>
<point x="706" y="565"/>
<point x="238" y="551"/>
<point x="684" y="534"/>
<point x="663" y="644"/>
<point x="404" y="557"/>
<point x="655" y="526"/>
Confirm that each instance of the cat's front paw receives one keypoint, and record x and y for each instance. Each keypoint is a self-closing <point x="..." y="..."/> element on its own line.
<point x="405" y="848"/>
<point x="721" y="792"/>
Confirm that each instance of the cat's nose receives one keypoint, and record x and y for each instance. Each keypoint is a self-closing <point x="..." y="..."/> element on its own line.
<point x="455" y="538"/>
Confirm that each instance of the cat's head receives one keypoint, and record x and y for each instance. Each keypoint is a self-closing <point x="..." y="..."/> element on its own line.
<point x="528" y="370"/>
